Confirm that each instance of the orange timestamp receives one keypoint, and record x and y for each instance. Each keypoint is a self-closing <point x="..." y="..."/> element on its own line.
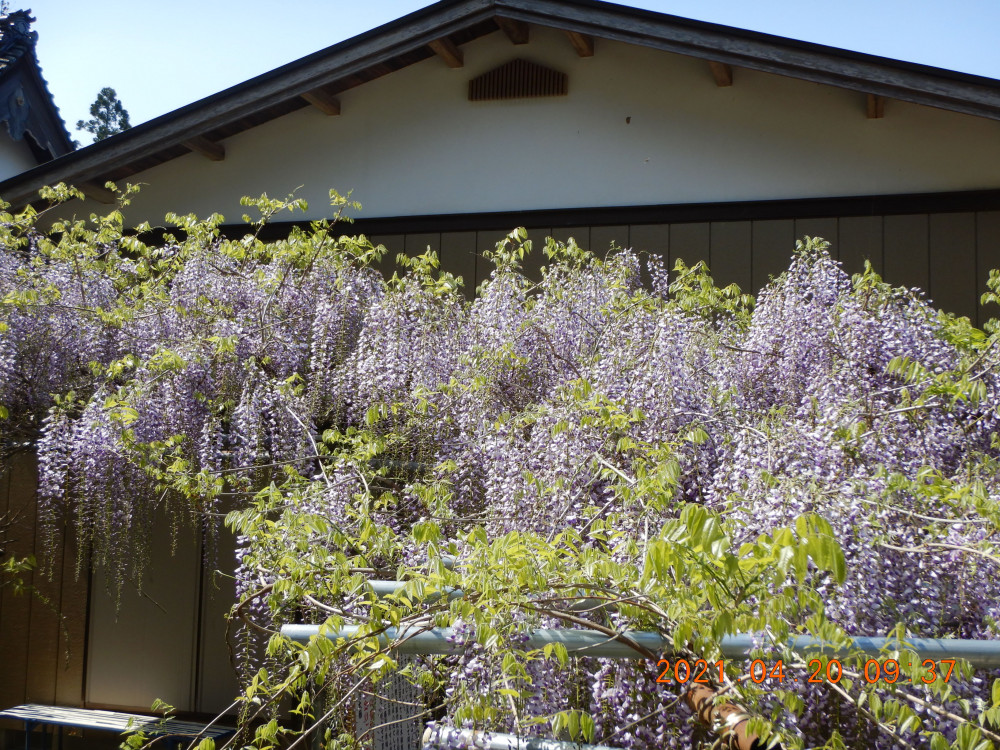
<point x="818" y="671"/>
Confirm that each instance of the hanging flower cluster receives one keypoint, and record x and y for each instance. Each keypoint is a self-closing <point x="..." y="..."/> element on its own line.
<point x="589" y="451"/>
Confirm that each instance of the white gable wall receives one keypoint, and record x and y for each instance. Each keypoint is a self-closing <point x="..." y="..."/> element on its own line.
<point x="15" y="156"/>
<point x="638" y="127"/>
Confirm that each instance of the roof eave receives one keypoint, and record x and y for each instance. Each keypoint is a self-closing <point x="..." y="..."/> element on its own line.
<point x="870" y="74"/>
<point x="351" y="56"/>
<point x="59" y="141"/>
<point x="918" y="84"/>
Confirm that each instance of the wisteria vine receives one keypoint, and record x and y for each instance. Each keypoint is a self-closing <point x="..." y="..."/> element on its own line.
<point x="613" y="447"/>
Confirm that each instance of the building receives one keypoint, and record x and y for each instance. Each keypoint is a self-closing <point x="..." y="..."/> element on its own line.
<point x="36" y="133"/>
<point x="570" y="117"/>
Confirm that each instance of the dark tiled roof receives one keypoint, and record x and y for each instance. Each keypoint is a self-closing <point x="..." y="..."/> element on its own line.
<point x="16" y="37"/>
<point x="26" y="105"/>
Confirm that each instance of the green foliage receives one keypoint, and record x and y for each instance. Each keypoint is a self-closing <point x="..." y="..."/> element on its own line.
<point x="13" y="571"/>
<point x="694" y="291"/>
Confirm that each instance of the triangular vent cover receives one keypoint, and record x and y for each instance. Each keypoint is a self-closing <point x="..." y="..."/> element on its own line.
<point x="518" y="79"/>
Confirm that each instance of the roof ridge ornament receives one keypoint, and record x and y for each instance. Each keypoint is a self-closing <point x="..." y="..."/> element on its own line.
<point x="16" y="36"/>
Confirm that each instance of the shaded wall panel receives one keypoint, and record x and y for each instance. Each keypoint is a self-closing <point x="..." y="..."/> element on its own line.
<point x="11" y="688"/>
<point x="900" y="247"/>
<point x="394" y="245"/>
<point x="486" y="240"/>
<point x="533" y="261"/>
<point x="15" y="610"/>
<point x="217" y="678"/>
<point x="953" y="263"/>
<point x="45" y="633"/>
<point x="773" y="246"/>
<point x="987" y="257"/>
<point x="860" y="240"/>
<point x="731" y="254"/>
<point x="42" y="637"/>
<point x="651" y="238"/>
<point x="601" y="238"/>
<point x="417" y="244"/>
<point x="690" y="243"/>
<point x="824" y="227"/>
<point x="650" y="241"/>
<point x="458" y="255"/>
<point x="906" y="251"/>
<point x="73" y="606"/>
<point x="580" y="234"/>
<point x="146" y="648"/>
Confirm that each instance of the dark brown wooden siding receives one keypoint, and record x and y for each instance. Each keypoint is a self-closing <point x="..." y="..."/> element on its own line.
<point x="947" y="255"/>
<point x="42" y="653"/>
<point x="48" y="637"/>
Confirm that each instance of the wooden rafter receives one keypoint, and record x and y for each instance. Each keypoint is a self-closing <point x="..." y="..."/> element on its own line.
<point x="209" y="149"/>
<point x="516" y="31"/>
<point x="97" y="192"/>
<point x="876" y="107"/>
<point x="722" y="73"/>
<point x="582" y="43"/>
<point x="447" y="51"/>
<point x="324" y="101"/>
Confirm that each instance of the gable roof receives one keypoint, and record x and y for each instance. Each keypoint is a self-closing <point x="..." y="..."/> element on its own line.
<point x="318" y="77"/>
<point x="26" y="106"/>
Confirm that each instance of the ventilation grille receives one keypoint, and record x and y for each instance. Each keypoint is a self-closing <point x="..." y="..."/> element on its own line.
<point x="518" y="79"/>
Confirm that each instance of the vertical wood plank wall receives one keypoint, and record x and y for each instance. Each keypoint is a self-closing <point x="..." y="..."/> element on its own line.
<point x="168" y="643"/>
<point x="144" y="647"/>
<point x="947" y="255"/>
<point x="42" y="654"/>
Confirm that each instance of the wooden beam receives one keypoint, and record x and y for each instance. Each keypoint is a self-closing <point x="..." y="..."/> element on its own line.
<point x="582" y="43"/>
<point x="876" y="107"/>
<point x="722" y="73"/>
<point x="209" y="149"/>
<point x="516" y="31"/>
<point x="97" y="192"/>
<point x="447" y="51"/>
<point x="322" y="100"/>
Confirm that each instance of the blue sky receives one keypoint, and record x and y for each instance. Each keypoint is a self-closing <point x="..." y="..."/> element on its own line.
<point x="162" y="54"/>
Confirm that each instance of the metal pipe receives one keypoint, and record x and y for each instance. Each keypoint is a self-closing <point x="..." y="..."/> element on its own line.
<point x="449" y="737"/>
<point x="979" y="653"/>
<point x="436" y="640"/>
<point x="385" y="588"/>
